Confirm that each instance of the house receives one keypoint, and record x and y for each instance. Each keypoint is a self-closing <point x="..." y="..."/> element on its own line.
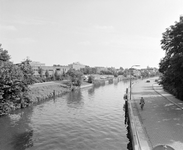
<point x="51" y="69"/>
<point x="76" y="66"/>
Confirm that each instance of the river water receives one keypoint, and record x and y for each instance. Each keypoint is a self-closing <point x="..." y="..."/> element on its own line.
<point x="89" y="119"/>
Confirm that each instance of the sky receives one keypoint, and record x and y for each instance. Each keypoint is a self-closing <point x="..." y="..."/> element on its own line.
<point x="105" y="33"/>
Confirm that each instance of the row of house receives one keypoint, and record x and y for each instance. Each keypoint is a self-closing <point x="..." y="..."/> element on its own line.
<point x="52" y="69"/>
<point x="60" y="69"/>
<point x="77" y="66"/>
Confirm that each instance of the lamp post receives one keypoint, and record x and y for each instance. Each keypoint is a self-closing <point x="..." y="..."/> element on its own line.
<point x="131" y="79"/>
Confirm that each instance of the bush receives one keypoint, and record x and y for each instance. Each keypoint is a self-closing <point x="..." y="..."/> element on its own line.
<point x="90" y="79"/>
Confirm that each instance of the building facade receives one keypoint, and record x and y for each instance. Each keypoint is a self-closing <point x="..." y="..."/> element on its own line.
<point x="51" y="69"/>
<point x="76" y="66"/>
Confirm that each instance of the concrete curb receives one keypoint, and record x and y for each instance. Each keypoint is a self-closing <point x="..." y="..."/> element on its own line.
<point x="86" y="86"/>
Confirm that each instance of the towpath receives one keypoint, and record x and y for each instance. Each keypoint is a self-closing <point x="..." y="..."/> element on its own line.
<point x="162" y="116"/>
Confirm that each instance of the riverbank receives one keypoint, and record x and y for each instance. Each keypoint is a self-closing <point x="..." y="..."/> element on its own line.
<point x="44" y="91"/>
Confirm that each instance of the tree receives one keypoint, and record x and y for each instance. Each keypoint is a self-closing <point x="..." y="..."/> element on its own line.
<point x="75" y="76"/>
<point x="10" y="81"/>
<point x="171" y="66"/>
<point x="121" y="68"/>
<point x="90" y="79"/>
<point x="64" y="74"/>
<point x="93" y="70"/>
<point x="4" y="56"/>
<point x="12" y="86"/>
<point x="9" y="76"/>
<point x="28" y="72"/>
<point x="40" y="71"/>
<point x="14" y="81"/>
<point x="57" y="75"/>
<point x="47" y="74"/>
<point x="126" y="72"/>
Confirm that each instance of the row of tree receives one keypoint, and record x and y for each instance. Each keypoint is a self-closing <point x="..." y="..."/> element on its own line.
<point x="171" y="66"/>
<point x="115" y="72"/>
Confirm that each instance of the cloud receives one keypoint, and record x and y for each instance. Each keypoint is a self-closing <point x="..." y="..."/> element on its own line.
<point x="104" y="27"/>
<point x="135" y="42"/>
<point x="29" y="22"/>
<point x="85" y="43"/>
<point x="33" y="21"/>
<point x="108" y="28"/>
<point x="24" y="41"/>
<point x="8" y="28"/>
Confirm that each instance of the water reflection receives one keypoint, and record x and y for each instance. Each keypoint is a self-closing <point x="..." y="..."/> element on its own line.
<point x="16" y="132"/>
<point x="115" y="82"/>
<point x="91" y="91"/>
<point x="21" y="141"/>
<point x="98" y="85"/>
<point x="74" y="99"/>
<point x="110" y="81"/>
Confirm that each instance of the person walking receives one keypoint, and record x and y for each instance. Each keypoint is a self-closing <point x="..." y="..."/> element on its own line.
<point x="142" y="102"/>
<point x="125" y="97"/>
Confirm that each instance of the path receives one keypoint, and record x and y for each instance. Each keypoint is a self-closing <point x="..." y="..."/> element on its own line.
<point x="162" y="117"/>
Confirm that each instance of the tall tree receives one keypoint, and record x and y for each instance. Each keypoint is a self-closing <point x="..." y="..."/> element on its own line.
<point x="11" y="78"/>
<point x="14" y="81"/>
<point x="57" y="75"/>
<point x="171" y="66"/>
<point x="40" y="71"/>
<point x="4" y="56"/>
<point x="28" y="72"/>
<point x="47" y="74"/>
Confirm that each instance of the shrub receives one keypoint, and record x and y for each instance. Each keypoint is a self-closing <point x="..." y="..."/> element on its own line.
<point x="90" y="79"/>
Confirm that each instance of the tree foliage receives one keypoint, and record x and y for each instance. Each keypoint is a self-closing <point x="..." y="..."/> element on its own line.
<point x="27" y="71"/>
<point x="14" y="81"/>
<point x="88" y="70"/>
<point x="171" y="66"/>
<point x="57" y="75"/>
<point x="90" y="79"/>
<point x="40" y="71"/>
<point x="75" y="76"/>
<point x="47" y="74"/>
<point x="4" y="56"/>
<point x="10" y="80"/>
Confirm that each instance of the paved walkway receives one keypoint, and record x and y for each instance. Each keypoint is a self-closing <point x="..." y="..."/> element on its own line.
<point x="162" y="117"/>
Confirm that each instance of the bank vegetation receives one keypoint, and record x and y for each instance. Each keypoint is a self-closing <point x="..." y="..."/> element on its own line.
<point x="171" y="66"/>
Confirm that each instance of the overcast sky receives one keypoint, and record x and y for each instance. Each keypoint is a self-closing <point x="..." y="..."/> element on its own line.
<point x="108" y="33"/>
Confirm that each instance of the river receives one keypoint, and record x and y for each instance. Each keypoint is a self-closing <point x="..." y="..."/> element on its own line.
<point x="89" y="119"/>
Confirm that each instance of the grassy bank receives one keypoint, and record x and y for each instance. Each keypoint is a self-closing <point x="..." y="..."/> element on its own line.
<point x="46" y="91"/>
<point x="37" y="93"/>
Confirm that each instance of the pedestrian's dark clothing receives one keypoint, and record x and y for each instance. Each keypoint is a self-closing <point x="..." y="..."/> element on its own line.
<point x="142" y="100"/>
<point x="125" y="97"/>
